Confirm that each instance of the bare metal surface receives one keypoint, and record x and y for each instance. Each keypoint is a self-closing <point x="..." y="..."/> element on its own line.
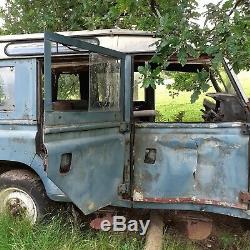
<point x="194" y="200"/>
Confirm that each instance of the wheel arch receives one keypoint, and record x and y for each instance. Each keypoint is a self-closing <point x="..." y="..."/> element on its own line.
<point x="7" y="165"/>
<point x="53" y="192"/>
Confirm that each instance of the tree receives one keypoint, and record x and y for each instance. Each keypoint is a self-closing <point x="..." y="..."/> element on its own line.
<point x="224" y="33"/>
<point x="25" y="16"/>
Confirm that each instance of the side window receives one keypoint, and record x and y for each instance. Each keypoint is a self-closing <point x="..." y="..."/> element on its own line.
<point x="174" y="105"/>
<point x="70" y="84"/>
<point x="90" y="83"/>
<point x="7" y="81"/>
<point x="104" y="83"/>
<point x="186" y="96"/>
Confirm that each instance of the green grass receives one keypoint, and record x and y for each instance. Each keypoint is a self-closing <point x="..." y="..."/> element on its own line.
<point x="58" y="235"/>
<point x="16" y="234"/>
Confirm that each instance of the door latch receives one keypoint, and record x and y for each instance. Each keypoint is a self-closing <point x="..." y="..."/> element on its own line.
<point x="124" y="127"/>
<point x="123" y="188"/>
<point x="245" y="129"/>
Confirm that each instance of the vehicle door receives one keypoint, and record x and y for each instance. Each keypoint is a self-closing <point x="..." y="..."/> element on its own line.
<point x="87" y="141"/>
<point x="194" y="165"/>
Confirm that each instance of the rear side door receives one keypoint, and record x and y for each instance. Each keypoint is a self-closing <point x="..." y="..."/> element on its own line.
<point x="195" y="166"/>
<point x="87" y="146"/>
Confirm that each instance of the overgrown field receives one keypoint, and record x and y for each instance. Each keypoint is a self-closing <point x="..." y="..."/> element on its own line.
<point x="63" y="235"/>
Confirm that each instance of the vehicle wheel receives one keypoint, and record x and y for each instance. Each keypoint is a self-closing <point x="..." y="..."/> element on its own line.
<point x="22" y="194"/>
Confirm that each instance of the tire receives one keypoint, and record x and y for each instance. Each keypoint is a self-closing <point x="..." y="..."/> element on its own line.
<point x="22" y="194"/>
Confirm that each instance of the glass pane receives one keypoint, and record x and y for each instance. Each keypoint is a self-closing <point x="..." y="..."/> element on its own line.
<point x="224" y="81"/>
<point x="37" y="48"/>
<point x="7" y="80"/>
<point x="104" y="73"/>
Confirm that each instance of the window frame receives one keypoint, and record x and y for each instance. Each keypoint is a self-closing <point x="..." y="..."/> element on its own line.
<point x="3" y="108"/>
<point x="25" y="92"/>
<point x="53" y="117"/>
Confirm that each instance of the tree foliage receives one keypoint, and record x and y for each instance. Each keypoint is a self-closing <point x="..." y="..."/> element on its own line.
<point x="225" y="31"/>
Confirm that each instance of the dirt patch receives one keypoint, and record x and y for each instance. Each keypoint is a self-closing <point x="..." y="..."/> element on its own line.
<point x="228" y="234"/>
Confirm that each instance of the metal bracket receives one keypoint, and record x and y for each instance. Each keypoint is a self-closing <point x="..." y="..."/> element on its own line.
<point x="244" y="197"/>
<point x="124" y="127"/>
<point x="123" y="188"/>
<point x="245" y="129"/>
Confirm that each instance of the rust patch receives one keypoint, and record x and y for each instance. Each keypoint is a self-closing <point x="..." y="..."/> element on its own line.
<point x="138" y="196"/>
<point x="96" y="223"/>
<point x="244" y="197"/>
<point x="195" y="200"/>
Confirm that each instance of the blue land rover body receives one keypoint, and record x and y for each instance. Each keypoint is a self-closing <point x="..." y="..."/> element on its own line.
<point x="96" y="146"/>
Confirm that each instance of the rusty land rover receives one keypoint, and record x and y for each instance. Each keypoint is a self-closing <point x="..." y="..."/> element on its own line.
<point x="99" y="143"/>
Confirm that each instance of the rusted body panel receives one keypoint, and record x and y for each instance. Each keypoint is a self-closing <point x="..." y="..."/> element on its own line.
<point x="97" y="166"/>
<point x="19" y="126"/>
<point x="194" y="164"/>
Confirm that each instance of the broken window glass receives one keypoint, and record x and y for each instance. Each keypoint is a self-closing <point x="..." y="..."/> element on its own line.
<point x="104" y="83"/>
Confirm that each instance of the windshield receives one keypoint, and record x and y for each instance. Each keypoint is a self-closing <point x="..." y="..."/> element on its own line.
<point x="221" y="81"/>
<point x="235" y="82"/>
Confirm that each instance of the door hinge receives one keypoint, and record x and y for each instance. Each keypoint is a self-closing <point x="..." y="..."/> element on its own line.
<point x="124" y="127"/>
<point x="123" y="188"/>
<point x="245" y="129"/>
<point x="244" y="197"/>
